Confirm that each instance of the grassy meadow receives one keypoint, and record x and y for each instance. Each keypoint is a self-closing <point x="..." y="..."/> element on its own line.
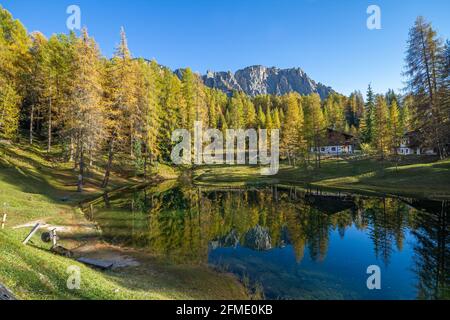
<point x="411" y="176"/>
<point x="34" y="187"/>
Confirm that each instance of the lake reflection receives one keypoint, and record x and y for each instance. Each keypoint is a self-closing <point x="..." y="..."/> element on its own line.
<point x="294" y="243"/>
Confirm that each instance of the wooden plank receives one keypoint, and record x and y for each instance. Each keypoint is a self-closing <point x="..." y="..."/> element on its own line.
<point x="33" y="231"/>
<point x="101" y="264"/>
<point x="4" y="220"/>
<point x="54" y="237"/>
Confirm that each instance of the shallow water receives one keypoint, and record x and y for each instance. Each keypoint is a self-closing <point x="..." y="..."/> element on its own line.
<point x="287" y="242"/>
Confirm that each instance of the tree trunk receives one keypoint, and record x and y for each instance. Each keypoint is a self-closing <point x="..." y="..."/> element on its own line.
<point x="2" y="117"/>
<point x="81" y="173"/>
<point x="77" y="155"/>
<point x="31" y="123"/>
<point x="49" y="145"/>
<point x="109" y="164"/>
<point x="71" y="147"/>
<point x="145" y="162"/>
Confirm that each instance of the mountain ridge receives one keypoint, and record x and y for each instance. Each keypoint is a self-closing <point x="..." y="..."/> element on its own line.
<point x="258" y="80"/>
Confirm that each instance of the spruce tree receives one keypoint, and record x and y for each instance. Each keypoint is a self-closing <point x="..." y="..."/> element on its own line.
<point x="368" y="133"/>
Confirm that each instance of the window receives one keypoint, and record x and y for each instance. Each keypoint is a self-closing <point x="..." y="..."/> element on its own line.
<point x="333" y="149"/>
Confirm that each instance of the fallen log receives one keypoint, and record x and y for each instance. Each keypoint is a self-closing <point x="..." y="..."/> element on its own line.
<point x="31" y="234"/>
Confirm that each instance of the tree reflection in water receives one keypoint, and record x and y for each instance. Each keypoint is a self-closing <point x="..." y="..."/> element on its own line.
<point x="185" y="223"/>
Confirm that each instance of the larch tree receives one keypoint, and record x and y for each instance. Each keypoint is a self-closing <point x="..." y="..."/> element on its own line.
<point x="315" y="125"/>
<point x="276" y="119"/>
<point x="189" y="96"/>
<point x="121" y="101"/>
<point x="14" y="63"/>
<point x="292" y="137"/>
<point x="381" y="132"/>
<point x="56" y="110"/>
<point x="269" y="120"/>
<point x="405" y="114"/>
<point x="261" y="118"/>
<point x="236" y="116"/>
<point x="148" y="121"/>
<point x="86" y="101"/>
<point x="37" y="79"/>
<point x="395" y="127"/>
<point x="424" y="69"/>
<point x="249" y="112"/>
<point x="334" y="112"/>
<point x="171" y="116"/>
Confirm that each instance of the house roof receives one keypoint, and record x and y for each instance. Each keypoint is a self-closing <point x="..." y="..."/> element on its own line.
<point x="336" y="137"/>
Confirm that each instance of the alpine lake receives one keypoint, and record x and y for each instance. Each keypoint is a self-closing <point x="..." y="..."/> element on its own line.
<point x="288" y="242"/>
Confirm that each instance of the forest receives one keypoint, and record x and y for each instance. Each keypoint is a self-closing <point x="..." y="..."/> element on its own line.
<point x="62" y="92"/>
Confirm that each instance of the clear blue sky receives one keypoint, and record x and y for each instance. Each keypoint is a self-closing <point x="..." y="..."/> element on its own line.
<point x="328" y="39"/>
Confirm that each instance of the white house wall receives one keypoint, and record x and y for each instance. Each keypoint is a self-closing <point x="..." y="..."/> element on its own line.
<point x="334" y="149"/>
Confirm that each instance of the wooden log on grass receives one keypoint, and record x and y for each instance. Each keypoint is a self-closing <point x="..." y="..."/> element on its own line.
<point x="33" y="231"/>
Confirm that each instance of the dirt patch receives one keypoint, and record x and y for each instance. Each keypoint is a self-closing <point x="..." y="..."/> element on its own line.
<point x="118" y="256"/>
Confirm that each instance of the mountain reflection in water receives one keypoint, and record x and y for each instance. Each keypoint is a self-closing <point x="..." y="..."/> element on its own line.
<point x="294" y="243"/>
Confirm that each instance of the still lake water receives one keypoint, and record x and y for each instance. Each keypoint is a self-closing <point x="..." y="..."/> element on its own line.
<point x="291" y="242"/>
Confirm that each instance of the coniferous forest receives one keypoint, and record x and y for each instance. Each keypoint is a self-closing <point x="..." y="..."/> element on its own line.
<point x="62" y="91"/>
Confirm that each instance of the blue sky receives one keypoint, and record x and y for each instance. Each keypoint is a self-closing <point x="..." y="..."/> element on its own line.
<point x="328" y="39"/>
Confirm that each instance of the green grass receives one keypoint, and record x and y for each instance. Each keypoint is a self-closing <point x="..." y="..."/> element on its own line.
<point x="413" y="176"/>
<point x="37" y="186"/>
<point x="34" y="273"/>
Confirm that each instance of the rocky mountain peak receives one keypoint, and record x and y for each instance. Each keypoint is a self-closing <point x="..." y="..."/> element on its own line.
<point x="256" y="80"/>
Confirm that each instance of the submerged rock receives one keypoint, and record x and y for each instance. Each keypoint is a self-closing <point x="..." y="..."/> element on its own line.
<point x="258" y="238"/>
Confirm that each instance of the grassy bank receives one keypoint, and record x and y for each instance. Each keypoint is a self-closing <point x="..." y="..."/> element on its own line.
<point x="36" y="186"/>
<point x="412" y="176"/>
